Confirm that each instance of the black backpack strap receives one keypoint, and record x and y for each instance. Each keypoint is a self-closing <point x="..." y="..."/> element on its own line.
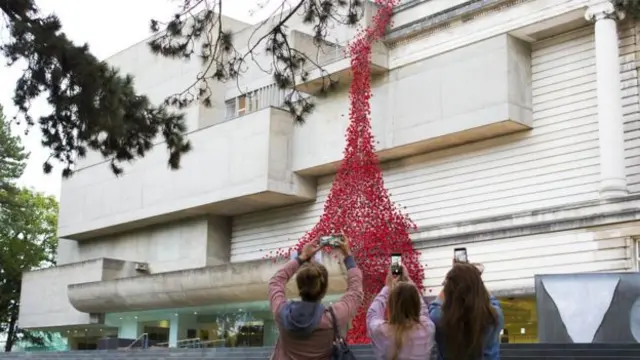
<point x="334" y="322"/>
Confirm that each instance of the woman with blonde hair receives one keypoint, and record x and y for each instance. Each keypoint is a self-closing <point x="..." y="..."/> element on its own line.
<point x="468" y="319"/>
<point x="407" y="333"/>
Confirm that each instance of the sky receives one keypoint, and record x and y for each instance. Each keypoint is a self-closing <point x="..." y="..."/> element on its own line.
<point x="108" y="27"/>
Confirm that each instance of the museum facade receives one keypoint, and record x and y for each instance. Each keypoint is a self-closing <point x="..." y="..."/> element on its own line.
<point x="508" y="127"/>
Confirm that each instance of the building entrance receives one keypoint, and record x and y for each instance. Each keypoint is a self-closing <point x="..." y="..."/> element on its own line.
<point x="520" y="320"/>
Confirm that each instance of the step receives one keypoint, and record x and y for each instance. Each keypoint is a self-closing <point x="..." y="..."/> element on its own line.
<point x="362" y="352"/>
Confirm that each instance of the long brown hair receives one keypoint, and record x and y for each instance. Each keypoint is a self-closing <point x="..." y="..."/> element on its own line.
<point x="404" y="313"/>
<point x="467" y="313"/>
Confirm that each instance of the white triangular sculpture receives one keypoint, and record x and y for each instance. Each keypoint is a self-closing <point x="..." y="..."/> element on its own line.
<point x="582" y="303"/>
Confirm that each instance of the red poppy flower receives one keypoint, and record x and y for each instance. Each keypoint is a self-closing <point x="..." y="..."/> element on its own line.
<point x="358" y="203"/>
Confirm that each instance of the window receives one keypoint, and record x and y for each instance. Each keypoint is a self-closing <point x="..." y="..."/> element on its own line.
<point x="253" y="101"/>
<point x="230" y="109"/>
<point x="242" y="105"/>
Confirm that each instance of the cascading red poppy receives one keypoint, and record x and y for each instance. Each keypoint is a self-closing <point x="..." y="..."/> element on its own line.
<point x="358" y="203"/>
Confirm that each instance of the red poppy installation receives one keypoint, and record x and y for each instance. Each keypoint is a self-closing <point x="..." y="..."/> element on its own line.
<point x="358" y="204"/>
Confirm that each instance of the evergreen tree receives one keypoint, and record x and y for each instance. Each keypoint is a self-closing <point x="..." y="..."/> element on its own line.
<point x="94" y="107"/>
<point x="12" y="163"/>
<point x="28" y="224"/>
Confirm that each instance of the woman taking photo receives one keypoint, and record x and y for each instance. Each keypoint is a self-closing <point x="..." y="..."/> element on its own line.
<point x="305" y="326"/>
<point x="468" y="320"/>
<point x="408" y="333"/>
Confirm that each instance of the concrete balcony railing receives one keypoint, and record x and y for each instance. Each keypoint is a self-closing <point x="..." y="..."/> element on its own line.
<point x="235" y="167"/>
<point x="224" y="284"/>
<point x="79" y="294"/>
<point x="330" y="61"/>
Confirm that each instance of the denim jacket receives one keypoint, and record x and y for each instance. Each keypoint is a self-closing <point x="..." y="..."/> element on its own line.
<point x="491" y="349"/>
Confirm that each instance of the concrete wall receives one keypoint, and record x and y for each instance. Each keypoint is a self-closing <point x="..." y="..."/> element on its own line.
<point x="485" y="83"/>
<point x="94" y="199"/>
<point x="257" y="73"/>
<point x="629" y="45"/>
<point x="402" y="114"/>
<point x="448" y="32"/>
<point x="535" y="178"/>
<point x="230" y="161"/>
<point x="44" y="301"/>
<point x="158" y="77"/>
<point x="511" y="263"/>
<point x="187" y="244"/>
<point x="555" y="163"/>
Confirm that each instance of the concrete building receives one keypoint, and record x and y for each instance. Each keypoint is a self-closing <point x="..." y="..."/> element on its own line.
<point x="510" y="127"/>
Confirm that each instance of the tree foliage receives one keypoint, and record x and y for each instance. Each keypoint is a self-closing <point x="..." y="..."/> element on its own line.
<point x="197" y="30"/>
<point x="94" y="107"/>
<point x="28" y="222"/>
<point x="630" y="7"/>
<point x="12" y="162"/>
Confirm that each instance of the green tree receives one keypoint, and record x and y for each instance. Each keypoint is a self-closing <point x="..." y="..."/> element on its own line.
<point x="94" y="107"/>
<point x="12" y="163"/>
<point x="28" y="222"/>
<point x="27" y="242"/>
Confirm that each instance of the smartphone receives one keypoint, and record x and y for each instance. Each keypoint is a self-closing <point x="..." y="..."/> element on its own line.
<point x="460" y="255"/>
<point x="332" y="240"/>
<point x="396" y="264"/>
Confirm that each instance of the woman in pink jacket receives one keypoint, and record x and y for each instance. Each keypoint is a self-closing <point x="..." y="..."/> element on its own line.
<point x="305" y="326"/>
<point x="407" y="333"/>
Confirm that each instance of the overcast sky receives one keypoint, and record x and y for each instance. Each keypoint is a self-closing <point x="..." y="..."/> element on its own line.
<point x="108" y="27"/>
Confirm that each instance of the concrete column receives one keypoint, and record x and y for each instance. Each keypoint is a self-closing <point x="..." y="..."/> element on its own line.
<point x="178" y="326"/>
<point x="218" y="240"/>
<point x="186" y="322"/>
<point x="174" y="331"/>
<point x="613" y="182"/>
<point x="129" y="329"/>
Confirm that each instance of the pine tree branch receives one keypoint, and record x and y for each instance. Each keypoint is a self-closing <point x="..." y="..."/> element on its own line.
<point x="223" y="61"/>
<point x="94" y="107"/>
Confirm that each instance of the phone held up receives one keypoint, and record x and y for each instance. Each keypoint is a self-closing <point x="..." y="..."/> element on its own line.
<point x="333" y="241"/>
<point x="460" y="255"/>
<point x="396" y="264"/>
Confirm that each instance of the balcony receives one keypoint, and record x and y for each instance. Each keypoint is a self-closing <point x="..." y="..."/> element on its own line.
<point x="51" y="284"/>
<point x="330" y="62"/>
<point x="231" y="283"/>
<point x="80" y="293"/>
<point x="237" y="166"/>
<point x="471" y="94"/>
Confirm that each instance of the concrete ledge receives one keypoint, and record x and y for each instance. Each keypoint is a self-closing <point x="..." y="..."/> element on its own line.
<point x="433" y="20"/>
<point x="215" y="179"/>
<point x="241" y="282"/>
<point x="561" y="218"/>
<point x="471" y="94"/>
<point x="43" y="299"/>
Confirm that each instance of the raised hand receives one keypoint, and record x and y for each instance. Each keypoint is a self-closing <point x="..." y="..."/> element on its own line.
<point x="309" y="249"/>
<point x="344" y="246"/>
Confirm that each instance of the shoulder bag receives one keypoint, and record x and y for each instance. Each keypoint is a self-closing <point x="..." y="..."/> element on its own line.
<point x="341" y="350"/>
